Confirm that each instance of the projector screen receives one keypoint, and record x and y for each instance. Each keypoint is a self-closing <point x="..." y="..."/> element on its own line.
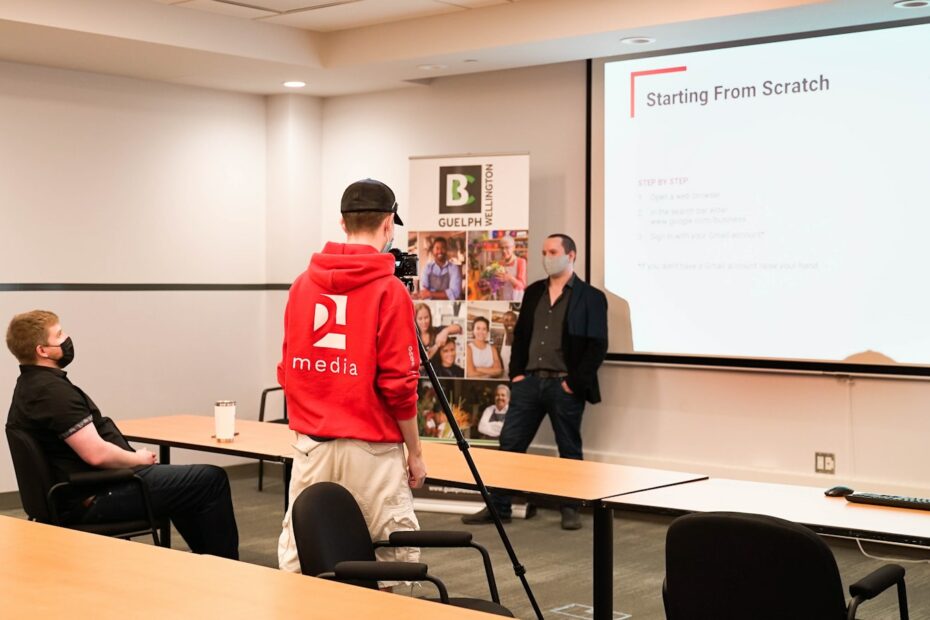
<point x="766" y="201"/>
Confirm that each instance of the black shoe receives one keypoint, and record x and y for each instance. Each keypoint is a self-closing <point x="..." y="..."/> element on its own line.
<point x="482" y="517"/>
<point x="530" y="510"/>
<point x="571" y="520"/>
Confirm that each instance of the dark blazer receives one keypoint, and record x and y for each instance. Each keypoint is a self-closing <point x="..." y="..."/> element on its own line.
<point x="584" y="335"/>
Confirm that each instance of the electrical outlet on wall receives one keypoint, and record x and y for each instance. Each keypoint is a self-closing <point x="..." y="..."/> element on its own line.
<point x="825" y="462"/>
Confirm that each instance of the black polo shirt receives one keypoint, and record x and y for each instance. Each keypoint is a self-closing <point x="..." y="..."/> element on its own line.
<point x="51" y="409"/>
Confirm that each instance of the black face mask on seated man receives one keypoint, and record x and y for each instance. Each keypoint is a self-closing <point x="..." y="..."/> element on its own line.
<point x="67" y="352"/>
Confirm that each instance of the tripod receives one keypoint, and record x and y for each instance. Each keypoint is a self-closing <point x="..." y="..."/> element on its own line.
<point x="518" y="569"/>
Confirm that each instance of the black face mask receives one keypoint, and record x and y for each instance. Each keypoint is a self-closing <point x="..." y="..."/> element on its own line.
<point x="67" y="353"/>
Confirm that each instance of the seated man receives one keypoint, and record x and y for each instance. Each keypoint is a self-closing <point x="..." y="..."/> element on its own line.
<point x="75" y="437"/>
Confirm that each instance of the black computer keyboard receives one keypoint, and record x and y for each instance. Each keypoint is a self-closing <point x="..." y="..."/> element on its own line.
<point x="920" y="503"/>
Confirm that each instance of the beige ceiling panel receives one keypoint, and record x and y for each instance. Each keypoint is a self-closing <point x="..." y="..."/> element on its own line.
<point x="282" y="6"/>
<point x="474" y="4"/>
<point x="364" y="13"/>
<point x="150" y="40"/>
<point x="224" y="8"/>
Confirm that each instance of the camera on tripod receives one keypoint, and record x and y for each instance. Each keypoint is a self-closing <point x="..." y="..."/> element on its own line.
<point x="405" y="267"/>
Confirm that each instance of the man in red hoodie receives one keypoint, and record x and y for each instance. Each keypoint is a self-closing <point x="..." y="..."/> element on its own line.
<point x="349" y="369"/>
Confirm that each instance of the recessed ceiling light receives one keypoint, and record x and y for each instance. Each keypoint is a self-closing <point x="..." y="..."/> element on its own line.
<point x="430" y="67"/>
<point x="637" y="40"/>
<point x="294" y="84"/>
<point x="912" y="4"/>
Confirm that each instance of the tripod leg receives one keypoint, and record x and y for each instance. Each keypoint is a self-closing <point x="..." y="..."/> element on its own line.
<point x="518" y="569"/>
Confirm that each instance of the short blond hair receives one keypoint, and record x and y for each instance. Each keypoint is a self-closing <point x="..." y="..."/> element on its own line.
<point x="27" y="331"/>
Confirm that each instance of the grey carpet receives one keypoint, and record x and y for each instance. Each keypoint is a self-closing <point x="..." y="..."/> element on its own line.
<point x="558" y="562"/>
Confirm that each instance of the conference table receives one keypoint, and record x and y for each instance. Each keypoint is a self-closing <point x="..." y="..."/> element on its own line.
<point x="587" y="482"/>
<point x="53" y="572"/>
<point x="806" y="505"/>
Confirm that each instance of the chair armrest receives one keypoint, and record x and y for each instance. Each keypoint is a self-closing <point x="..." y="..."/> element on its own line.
<point x="380" y="571"/>
<point x="90" y="480"/>
<point x="441" y="538"/>
<point x="101" y="476"/>
<point x="877" y="581"/>
<point x="387" y="571"/>
<point x="435" y="538"/>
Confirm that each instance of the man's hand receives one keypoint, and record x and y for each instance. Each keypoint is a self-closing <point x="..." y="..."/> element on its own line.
<point x="518" y="379"/>
<point x="416" y="471"/>
<point x="146" y="457"/>
<point x="565" y="387"/>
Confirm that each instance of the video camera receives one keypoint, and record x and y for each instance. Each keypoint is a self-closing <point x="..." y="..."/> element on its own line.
<point x="405" y="267"/>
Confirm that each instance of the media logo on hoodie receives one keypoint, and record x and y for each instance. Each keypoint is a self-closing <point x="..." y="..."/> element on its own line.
<point x="330" y="313"/>
<point x="329" y="322"/>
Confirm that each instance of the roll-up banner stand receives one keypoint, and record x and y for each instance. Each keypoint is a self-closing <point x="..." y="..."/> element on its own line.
<point x="469" y="226"/>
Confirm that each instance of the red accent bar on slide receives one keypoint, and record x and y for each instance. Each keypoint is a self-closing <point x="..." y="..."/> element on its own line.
<point x="636" y="74"/>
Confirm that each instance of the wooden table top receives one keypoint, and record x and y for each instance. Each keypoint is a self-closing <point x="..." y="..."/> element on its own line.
<point x="52" y="572"/>
<point x="586" y="481"/>
<point x="800" y="504"/>
<point x="254" y="439"/>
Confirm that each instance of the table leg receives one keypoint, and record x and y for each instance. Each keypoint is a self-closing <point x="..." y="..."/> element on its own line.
<point x="164" y="457"/>
<point x="288" y="464"/>
<point x="603" y="562"/>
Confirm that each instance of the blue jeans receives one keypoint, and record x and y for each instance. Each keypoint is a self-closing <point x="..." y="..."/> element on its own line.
<point x="530" y="401"/>
<point x="196" y="498"/>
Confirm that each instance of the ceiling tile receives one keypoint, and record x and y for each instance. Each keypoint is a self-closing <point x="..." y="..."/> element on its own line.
<point x="224" y="8"/>
<point x="364" y="13"/>
<point x="282" y="6"/>
<point x="473" y="4"/>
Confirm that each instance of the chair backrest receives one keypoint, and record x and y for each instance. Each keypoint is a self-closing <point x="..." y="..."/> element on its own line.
<point x="329" y="528"/>
<point x="735" y="566"/>
<point x="33" y="473"/>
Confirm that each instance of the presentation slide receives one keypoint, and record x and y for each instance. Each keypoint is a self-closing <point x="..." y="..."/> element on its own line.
<point x="773" y="200"/>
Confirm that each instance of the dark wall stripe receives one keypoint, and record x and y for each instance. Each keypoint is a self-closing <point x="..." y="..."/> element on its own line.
<point x="56" y="286"/>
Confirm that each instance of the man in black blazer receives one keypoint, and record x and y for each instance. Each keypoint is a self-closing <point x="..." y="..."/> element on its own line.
<point x="559" y="342"/>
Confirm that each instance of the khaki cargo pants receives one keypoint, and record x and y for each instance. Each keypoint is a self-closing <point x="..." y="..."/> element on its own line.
<point x="374" y="473"/>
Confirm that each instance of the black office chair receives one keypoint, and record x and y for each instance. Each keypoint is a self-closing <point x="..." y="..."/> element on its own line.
<point x="41" y="493"/>
<point x="729" y="566"/>
<point x="333" y="543"/>
<point x="261" y="418"/>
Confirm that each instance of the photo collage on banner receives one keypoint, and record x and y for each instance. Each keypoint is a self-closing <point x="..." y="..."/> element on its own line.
<point x="472" y="254"/>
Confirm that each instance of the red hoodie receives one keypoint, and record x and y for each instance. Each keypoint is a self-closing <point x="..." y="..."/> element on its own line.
<point x="349" y="366"/>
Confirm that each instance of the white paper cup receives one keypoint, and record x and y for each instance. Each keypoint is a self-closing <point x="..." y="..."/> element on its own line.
<point x="224" y="417"/>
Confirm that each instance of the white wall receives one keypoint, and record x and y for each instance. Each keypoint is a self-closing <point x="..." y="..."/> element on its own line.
<point x="113" y="180"/>
<point x="118" y="180"/>
<point x="294" y="141"/>
<point x="763" y="426"/>
<point x="538" y="110"/>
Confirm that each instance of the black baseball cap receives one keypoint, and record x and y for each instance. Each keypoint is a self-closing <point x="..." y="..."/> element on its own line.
<point x="370" y="195"/>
